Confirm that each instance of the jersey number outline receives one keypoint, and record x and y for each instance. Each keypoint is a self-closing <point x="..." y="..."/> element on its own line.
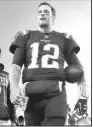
<point x="45" y="58"/>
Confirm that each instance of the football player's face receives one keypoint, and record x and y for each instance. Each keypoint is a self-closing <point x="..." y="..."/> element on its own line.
<point x="45" y="17"/>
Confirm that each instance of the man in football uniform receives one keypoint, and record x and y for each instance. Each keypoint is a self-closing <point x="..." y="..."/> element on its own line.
<point x="43" y="53"/>
<point x="7" y="109"/>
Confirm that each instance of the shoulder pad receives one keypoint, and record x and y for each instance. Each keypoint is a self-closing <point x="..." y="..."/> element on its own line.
<point x="22" y="33"/>
<point x="19" y="40"/>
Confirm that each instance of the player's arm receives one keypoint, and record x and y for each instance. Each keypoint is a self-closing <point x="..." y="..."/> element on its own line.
<point x="17" y="63"/>
<point x="71" y="50"/>
<point x="18" y="49"/>
<point x="72" y="59"/>
<point x="15" y="73"/>
<point x="82" y="87"/>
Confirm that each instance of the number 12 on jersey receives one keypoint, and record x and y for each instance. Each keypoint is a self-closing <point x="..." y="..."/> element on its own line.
<point x="45" y="58"/>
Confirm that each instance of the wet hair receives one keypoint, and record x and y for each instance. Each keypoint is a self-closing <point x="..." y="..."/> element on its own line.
<point x="52" y="9"/>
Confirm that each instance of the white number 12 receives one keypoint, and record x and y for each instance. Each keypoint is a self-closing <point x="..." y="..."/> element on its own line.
<point x="45" y="58"/>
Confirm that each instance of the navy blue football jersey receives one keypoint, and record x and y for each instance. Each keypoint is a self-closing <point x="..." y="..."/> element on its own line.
<point x="44" y="54"/>
<point x="3" y="95"/>
<point x="7" y="110"/>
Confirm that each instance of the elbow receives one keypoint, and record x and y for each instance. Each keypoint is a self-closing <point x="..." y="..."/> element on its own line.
<point x="73" y="73"/>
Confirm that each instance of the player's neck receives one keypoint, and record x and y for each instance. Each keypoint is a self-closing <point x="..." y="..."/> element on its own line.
<point x="45" y="30"/>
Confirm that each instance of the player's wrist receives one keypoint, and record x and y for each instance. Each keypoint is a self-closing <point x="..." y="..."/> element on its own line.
<point x="83" y="97"/>
<point x="82" y="91"/>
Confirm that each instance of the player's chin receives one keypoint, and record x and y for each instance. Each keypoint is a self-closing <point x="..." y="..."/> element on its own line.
<point x="44" y="25"/>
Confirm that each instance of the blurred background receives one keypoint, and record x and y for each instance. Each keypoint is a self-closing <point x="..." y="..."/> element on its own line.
<point x="73" y="17"/>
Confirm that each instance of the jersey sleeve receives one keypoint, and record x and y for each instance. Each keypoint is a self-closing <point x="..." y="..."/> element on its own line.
<point x="19" y="40"/>
<point x="19" y="59"/>
<point x="71" y="45"/>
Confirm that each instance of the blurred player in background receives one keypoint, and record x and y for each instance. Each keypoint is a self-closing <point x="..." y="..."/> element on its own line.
<point x="43" y="53"/>
<point x="7" y="109"/>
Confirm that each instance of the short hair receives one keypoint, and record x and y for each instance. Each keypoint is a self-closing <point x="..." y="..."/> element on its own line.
<point x="52" y="9"/>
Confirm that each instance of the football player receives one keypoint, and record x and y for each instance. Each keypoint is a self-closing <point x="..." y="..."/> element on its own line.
<point x="7" y="109"/>
<point x="43" y="53"/>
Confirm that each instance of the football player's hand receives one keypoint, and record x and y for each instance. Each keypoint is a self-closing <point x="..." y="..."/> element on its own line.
<point x="81" y="106"/>
<point x="15" y="96"/>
